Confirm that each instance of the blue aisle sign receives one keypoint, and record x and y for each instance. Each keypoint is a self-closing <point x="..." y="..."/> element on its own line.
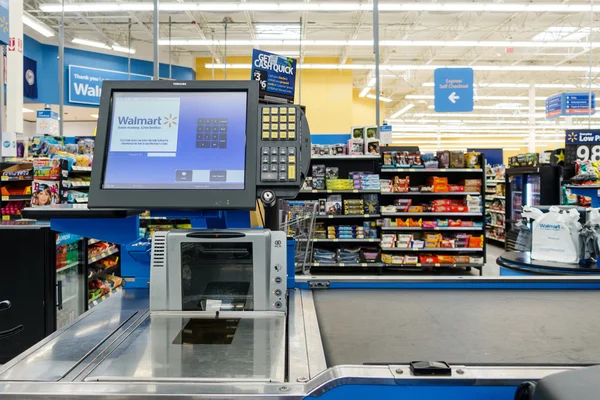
<point x="582" y="145"/>
<point x="85" y="84"/>
<point x="276" y="75"/>
<point x="453" y="90"/>
<point x="570" y="104"/>
<point x="4" y="26"/>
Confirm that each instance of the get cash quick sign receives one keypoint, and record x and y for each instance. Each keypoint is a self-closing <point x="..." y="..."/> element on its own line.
<point x="85" y="84"/>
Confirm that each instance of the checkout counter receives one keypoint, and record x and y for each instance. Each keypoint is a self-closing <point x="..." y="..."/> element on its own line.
<point x="219" y="319"/>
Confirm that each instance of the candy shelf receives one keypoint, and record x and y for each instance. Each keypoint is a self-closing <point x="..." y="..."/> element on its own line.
<point x="432" y="249"/>
<point x="102" y="255"/>
<point x="431" y="170"/>
<point x="432" y="214"/>
<point x="437" y="228"/>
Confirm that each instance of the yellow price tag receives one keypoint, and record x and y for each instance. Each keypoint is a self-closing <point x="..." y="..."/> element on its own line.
<point x="329" y="191"/>
<point x="5" y="178"/>
<point x="315" y="191"/>
<point x="5" y="218"/>
<point x="330" y="216"/>
<point x="4" y="198"/>
<point x="336" y="240"/>
<point x="342" y="264"/>
<point x="437" y="264"/>
<point x="355" y="191"/>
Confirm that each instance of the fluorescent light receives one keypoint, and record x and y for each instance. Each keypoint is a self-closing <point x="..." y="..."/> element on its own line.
<point x="372" y="82"/>
<point x="427" y="67"/>
<point x="402" y="111"/>
<point x="381" y="98"/>
<point x="288" y="35"/>
<point x="91" y="43"/>
<point x="323" y="6"/>
<point x="27" y="110"/>
<point x="430" y="97"/>
<point x="364" y="92"/>
<point x="36" y="25"/>
<point x="122" y="49"/>
<point x="502" y="85"/>
<point x="94" y="116"/>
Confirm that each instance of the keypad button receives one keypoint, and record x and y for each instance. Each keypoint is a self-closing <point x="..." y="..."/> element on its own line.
<point x="282" y="176"/>
<point x="273" y="168"/>
<point x="282" y="151"/>
<point x="292" y="159"/>
<point x="282" y="127"/>
<point x="292" y="151"/>
<point x="282" y="167"/>
<point x="275" y="135"/>
<point x="264" y="168"/>
<point x="274" y="159"/>
<point x="274" y="151"/>
<point x="274" y="127"/>
<point x="292" y="172"/>
<point x="214" y="145"/>
<point x="268" y="176"/>
<point x="282" y="159"/>
<point x="283" y="110"/>
<point x="265" y="111"/>
<point x="265" y="160"/>
<point x="274" y="110"/>
<point x="266" y="127"/>
<point x="214" y="136"/>
<point x="292" y="118"/>
<point x="283" y="118"/>
<point x="274" y="118"/>
<point x="283" y="135"/>
<point x="292" y="110"/>
<point x="266" y="134"/>
<point x="265" y="151"/>
<point x="291" y="134"/>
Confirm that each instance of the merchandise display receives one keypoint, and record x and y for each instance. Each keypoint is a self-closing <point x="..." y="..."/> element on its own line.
<point x="495" y="201"/>
<point x="15" y="188"/>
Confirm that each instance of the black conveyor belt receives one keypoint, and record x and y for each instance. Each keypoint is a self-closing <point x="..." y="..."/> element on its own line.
<point x="459" y="326"/>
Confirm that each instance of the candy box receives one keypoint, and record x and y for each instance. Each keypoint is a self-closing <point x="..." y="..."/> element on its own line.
<point x="461" y="259"/>
<point x="476" y="241"/>
<point x="467" y="223"/>
<point x="372" y="146"/>
<point x="401" y="159"/>
<point x="442" y="202"/>
<point x="318" y="183"/>
<point x="318" y="170"/>
<point x="400" y="222"/>
<point x="428" y="259"/>
<point x="437" y="180"/>
<point x="442" y="223"/>
<point x="415" y="209"/>
<point x="458" y="209"/>
<point x="440" y="188"/>
<point x="476" y="260"/>
<point x="429" y="224"/>
<point x="388" y="159"/>
<point x="356" y="146"/>
<point x="472" y="160"/>
<point x="332" y="172"/>
<point x="447" y="243"/>
<point x="418" y="244"/>
<point x="446" y="259"/>
<point x="454" y="223"/>
<point x="456" y="188"/>
<point x="414" y="223"/>
<point x="443" y="158"/>
<point x="411" y="260"/>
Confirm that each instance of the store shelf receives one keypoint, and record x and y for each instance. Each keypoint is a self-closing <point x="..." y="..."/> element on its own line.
<point x="431" y="249"/>
<point x="15" y="197"/>
<point x="367" y="240"/>
<point x="68" y="266"/>
<point x="346" y="265"/>
<point x="430" y="193"/>
<point x="495" y="211"/>
<point x="15" y="179"/>
<point x="102" y="255"/>
<point x="346" y="157"/>
<point x="433" y="214"/>
<point x="582" y="186"/>
<point x="490" y="192"/>
<point x="339" y="191"/>
<point x="92" y="241"/>
<point x="106" y="296"/>
<point x="494" y="181"/>
<point x="496" y="225"/>
<point x="18" y="217"/>
<point x="104" y="271"/>
<point x="498" y="197"/>
<point x="435" y="265"/>
<point x="431" y="170"/>
<point x="497" y="239"/>
<point x="437" y="228"/>
<point x="81" y="169"/>
<point x="70" y="298"/>
<point x="69" y="184"/>
<point x="347" y="216"/>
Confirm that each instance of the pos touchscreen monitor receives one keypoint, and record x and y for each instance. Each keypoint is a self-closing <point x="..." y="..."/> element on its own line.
<point x="176" y="144"/>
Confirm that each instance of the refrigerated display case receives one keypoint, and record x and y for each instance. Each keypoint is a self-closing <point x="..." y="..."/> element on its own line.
<point x="70" y="278"/>
<point x="529" y="186"/>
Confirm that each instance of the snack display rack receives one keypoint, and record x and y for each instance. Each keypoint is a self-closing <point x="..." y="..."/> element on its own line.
<point x="453" y="216"/>
<point x="495" y="203"/>
<point x="15" y="188"/>
<point x="103" y="270"/>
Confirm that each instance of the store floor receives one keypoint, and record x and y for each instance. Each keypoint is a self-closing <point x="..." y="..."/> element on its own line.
<point x="492" y="252"/>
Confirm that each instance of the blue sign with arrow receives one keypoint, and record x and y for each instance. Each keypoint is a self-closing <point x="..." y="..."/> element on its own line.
<point x="570" y="104"/>
<point x="453" y="90"/>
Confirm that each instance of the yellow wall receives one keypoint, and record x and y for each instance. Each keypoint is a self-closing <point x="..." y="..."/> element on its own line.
<point x="332" y="105"/>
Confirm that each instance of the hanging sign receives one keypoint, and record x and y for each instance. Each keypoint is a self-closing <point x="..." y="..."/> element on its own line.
<point x="453" y="91"/>
<point x="276" y="76"/>
<point x="582" y="145"/>
<point x="4" y="5"/>
<point x="570" y="104"/>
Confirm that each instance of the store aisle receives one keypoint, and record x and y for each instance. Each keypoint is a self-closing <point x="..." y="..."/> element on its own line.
<point x="491" y="268"/>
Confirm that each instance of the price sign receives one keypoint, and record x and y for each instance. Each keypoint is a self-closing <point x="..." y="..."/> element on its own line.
<point x="582" y="145"/>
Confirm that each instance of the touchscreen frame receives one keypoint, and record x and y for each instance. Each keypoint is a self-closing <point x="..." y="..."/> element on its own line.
<point x="239" y="199"/>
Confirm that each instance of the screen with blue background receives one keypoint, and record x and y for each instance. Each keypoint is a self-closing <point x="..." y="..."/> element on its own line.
<point x="177" y="141"/>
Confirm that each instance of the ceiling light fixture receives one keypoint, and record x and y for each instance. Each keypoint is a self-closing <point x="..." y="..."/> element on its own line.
<point x="94" y="116"/>
<point x="324" y="6"/>
<point x="430" y="97"/>
<point x="27" y="110"/>
<point x="364" y="92"/>
<point x="37" y="25"/>
<point x="503" y="85"/>
<point x="428" y="67"/>
<point x="381" y="98"/>
<point x="122" y="49"/>
<point x="402" y="111"/>
<point x="91" y="43"/>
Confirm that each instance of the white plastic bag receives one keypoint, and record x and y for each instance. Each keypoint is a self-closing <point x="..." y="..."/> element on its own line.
<point x="552" y="240"/>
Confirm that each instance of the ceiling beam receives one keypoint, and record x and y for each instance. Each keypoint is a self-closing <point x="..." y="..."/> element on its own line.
<point x="359" y="19"/>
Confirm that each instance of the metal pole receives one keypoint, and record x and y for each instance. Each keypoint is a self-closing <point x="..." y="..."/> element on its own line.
<point x="225" y="73"/>
<point x="129" y="52"/>
<point x="299" y="71"/>
<point x="212" y="55"/>
<point x="531" y="122"/>
<point x="61" y="70"/>
<point x="376" y="51"/>
<point x="170" y="69"/>
<point x="591" y="65"/>
<point x="156" y="33"/>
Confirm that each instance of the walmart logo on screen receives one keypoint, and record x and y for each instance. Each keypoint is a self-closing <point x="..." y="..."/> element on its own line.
<point x="146" y="123"/>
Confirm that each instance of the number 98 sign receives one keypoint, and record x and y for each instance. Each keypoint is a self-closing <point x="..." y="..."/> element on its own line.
<point x="582" y="145"/>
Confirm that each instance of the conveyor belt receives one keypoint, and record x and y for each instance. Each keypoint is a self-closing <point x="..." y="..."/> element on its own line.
<point x="459" y="326"/>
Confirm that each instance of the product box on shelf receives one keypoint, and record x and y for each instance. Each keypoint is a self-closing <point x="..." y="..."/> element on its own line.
<point x="457" y="159"/>
<point x="356" y="146"/>
<point x="372" y="146"/>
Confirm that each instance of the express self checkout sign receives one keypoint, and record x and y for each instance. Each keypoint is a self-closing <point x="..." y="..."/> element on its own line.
<point x="582" y="145"/>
